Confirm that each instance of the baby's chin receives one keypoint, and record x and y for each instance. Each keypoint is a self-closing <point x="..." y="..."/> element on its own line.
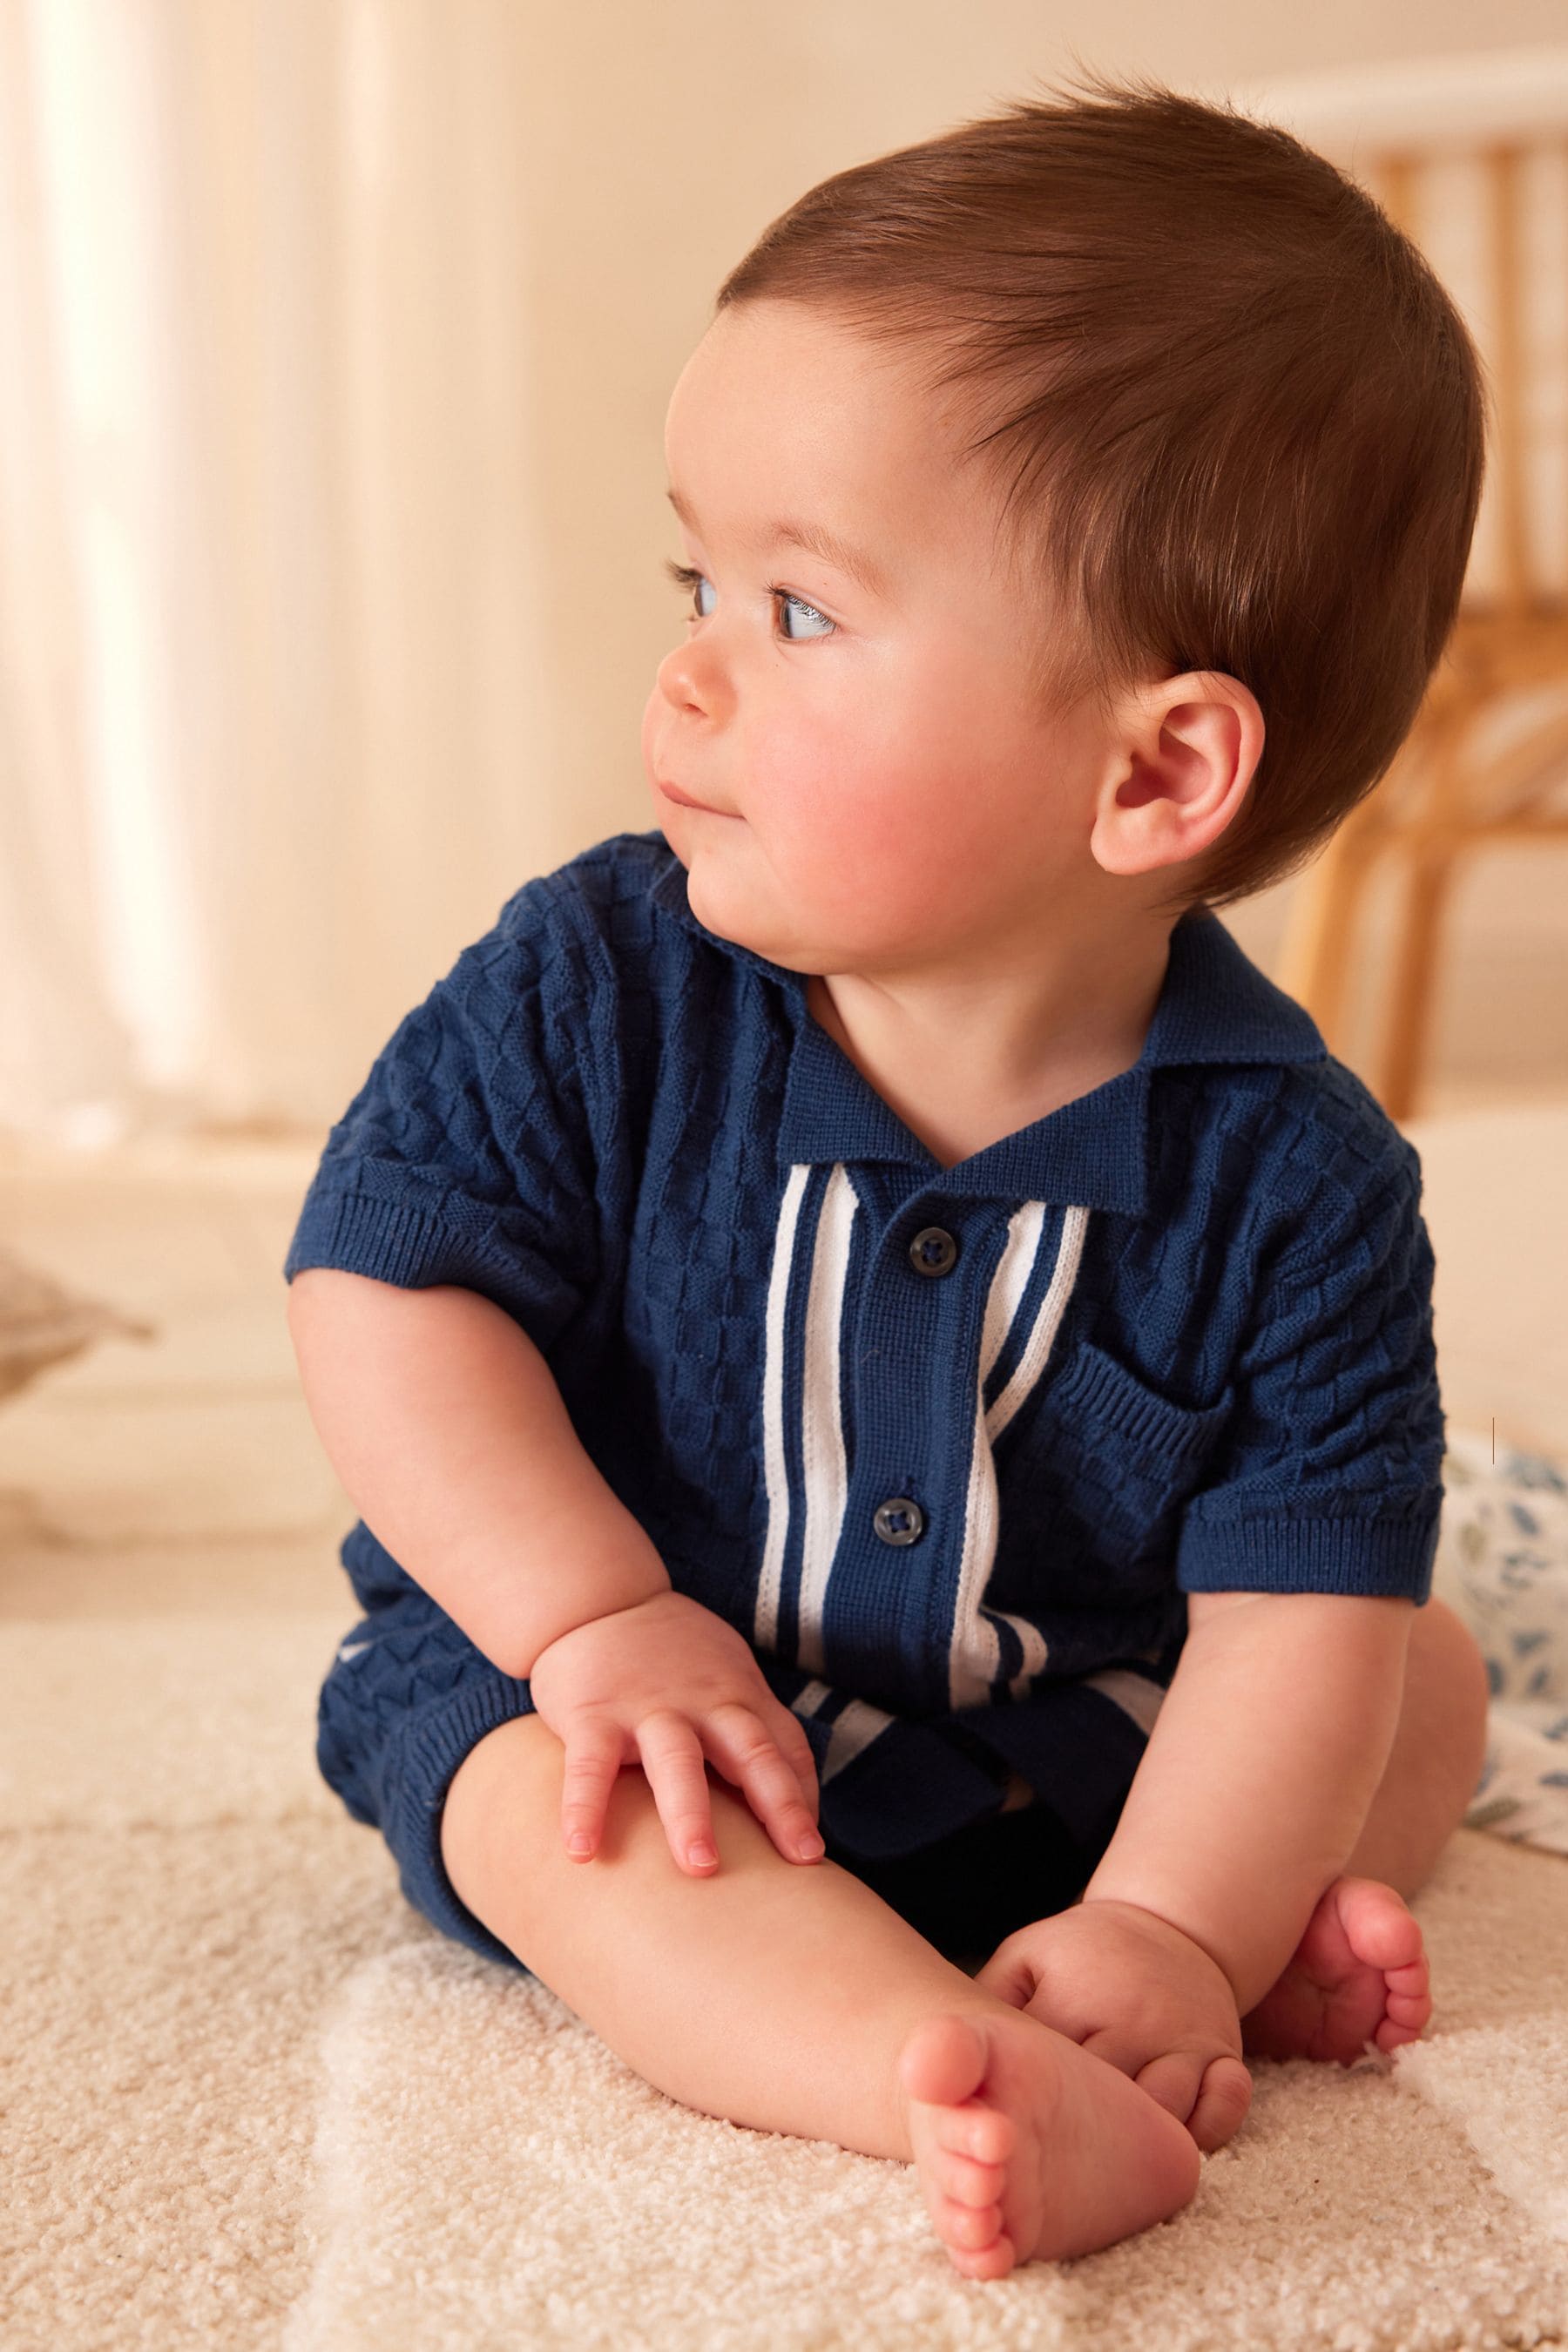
<point x="727" y="909"/>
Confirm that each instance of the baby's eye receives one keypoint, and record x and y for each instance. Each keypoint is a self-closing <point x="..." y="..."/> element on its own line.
<point x="687" y="576"/>
<point x="786" y="599"/>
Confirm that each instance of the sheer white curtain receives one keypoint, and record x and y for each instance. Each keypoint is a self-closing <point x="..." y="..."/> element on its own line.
<point x="272" y="628"/>
<point x="337" y="337"/>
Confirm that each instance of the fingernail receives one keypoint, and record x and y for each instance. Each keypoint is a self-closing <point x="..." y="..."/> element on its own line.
<point x="579" y="1843"/>
<point x="702" y="1854"/>
<point x="810" y="1847"/>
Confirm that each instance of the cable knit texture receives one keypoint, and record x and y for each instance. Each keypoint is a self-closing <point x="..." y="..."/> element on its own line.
<point x="948" y="1446"/>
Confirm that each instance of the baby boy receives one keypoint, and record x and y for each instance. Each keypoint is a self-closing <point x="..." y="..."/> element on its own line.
<point x="890" y="1370"/>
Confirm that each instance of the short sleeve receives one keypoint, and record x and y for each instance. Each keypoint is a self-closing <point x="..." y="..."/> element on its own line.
<point x="466" y="1156"/>
<point x="1329" y="1478"/>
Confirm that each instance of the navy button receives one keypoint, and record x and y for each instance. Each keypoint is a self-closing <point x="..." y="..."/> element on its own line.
<point x="898" y="1520"/>
<point x="933" y="1251"/>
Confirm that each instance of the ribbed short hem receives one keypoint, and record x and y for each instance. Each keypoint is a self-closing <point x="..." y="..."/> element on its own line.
<point x="416" y="1771"/>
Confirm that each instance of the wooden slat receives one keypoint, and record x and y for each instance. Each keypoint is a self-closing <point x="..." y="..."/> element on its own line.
<point x="1504" y="168"/>
<point x="1440" y="804"/>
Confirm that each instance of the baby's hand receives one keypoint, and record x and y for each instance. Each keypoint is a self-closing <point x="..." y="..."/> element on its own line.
<point x="1136" y="1991"/>
<point x="667" y="1683"/>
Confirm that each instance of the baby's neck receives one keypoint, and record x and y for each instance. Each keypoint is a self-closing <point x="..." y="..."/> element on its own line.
<point x="939" y="1077"/>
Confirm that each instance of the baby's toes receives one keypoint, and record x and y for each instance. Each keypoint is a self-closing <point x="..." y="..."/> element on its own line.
<point x="1412" y="1984"/>
<point x="1405" y="2019"/>
<point x="985" y="2135"/>
<point x="959" y="2143"/>
<point x="963" y="2197"/>
<point x="1380" y="1928"/>
<point x="966" y="2228"/>
<point x="964" y="2181"/>
<point x="991" y="2262"/>
<point x="1408" y="2005"/>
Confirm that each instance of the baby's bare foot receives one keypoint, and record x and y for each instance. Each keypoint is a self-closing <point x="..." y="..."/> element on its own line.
<point x="1029" y="2148"/>
<point x="1359" y="1975"/>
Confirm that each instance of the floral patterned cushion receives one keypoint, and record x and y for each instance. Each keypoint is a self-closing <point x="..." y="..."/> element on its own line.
<point x="1502" y="1565"/>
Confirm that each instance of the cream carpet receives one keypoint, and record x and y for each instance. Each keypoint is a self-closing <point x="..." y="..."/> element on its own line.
<point x="248" y="2099"/>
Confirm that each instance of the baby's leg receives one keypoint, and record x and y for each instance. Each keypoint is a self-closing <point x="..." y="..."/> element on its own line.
<point x="1439" y="1750"/>
<point x="1360" y="1974"/>
<point x="791" y="1998"/>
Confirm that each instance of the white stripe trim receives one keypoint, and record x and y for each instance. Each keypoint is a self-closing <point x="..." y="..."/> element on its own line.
<point x="1009" y="1282"/>
<point x="855" y="1729"/>
<point x="770" y="1582"/>
<point x="825" y="1466"/>
<point x="1032" y="1362"/>
<point x="807" y="1701"/>
<point x="974" y="1655"/>
<point x="1134" y="1694"/>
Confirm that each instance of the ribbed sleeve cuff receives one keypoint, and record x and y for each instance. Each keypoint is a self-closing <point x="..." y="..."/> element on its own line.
<point x="384" y="1238"/>
<point x="392" y="1242"/>
<point x="1275" y="1552"/>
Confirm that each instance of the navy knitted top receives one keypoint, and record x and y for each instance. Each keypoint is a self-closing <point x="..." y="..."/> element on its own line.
<point x="944" y="1444"/>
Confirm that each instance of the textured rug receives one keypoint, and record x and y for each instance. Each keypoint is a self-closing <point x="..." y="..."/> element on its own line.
<point x="259" y="2102"/>
<point x="248" y="2099"/>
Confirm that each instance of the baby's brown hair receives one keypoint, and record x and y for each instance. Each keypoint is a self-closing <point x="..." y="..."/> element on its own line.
<point x="1238" y="423"/>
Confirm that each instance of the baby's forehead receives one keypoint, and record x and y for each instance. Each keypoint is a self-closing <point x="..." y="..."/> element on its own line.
<point x="877" y="522"/>
<point x="813" y="405"/>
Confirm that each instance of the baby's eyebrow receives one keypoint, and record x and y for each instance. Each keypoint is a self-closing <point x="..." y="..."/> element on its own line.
<point x="815" y="538"/>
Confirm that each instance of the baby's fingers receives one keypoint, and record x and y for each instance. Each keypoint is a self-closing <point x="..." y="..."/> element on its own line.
<point x="790" y="1734"/>
<point x="677" y="1771"/>
<point x="1011" y="1974"/>
<point x="1210" y="2097"/>
<point x="746" y="1753"/>
<point x="594" y="1752"/>
<point x="1223" y="2099"/>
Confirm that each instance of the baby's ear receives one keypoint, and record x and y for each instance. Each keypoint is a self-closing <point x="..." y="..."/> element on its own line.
<point x="1183" y="756"/>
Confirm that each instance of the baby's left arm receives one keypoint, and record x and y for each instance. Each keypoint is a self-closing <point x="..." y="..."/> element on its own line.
<point x="1260" y="1771"/>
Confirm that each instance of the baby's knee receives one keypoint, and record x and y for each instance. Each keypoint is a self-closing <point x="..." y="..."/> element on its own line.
<point x="1447" y="1690"/>
<point x="506" y="1787"/>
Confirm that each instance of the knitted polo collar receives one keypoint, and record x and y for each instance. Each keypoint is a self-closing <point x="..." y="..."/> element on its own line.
<point x="1215" y="1006"/>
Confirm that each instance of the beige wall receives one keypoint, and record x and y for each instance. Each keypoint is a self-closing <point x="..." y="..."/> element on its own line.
<point x="345" y="338"/>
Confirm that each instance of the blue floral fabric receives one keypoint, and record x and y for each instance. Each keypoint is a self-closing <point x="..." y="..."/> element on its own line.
<point x="1502" y="1564"/>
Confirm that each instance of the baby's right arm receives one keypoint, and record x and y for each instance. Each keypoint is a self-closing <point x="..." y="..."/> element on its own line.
<point x="445" y="1426"/>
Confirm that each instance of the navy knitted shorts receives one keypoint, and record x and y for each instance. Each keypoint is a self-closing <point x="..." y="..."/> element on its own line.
<point x="409" y="1695"/>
